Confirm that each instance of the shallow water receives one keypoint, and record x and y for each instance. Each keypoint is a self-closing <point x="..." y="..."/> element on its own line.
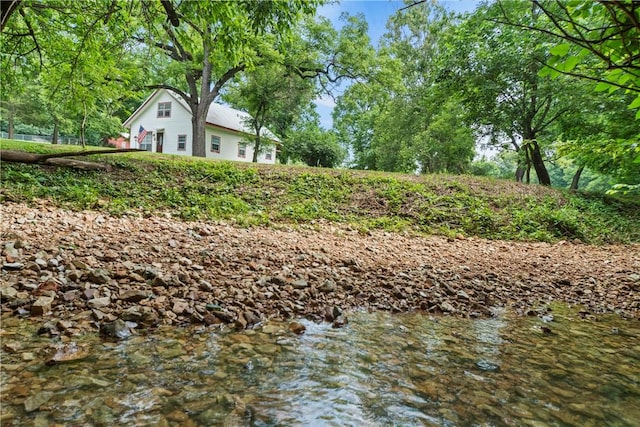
<point x="379" y="370"/>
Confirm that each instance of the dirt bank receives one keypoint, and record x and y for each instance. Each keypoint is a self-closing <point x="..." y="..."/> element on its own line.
<point x="87" y="268"/>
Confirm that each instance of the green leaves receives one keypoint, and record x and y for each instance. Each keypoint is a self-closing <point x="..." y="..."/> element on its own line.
<point x="560" y="50"/>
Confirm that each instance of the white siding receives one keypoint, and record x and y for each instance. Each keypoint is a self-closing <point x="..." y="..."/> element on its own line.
<point x="179" y="123"/>
<point x="229" y="142"/>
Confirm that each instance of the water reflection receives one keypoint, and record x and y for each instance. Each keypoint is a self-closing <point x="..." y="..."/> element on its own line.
<point x="379" y="370"/>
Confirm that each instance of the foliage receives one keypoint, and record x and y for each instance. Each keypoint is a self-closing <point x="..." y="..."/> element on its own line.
<point x="71" y="63"/>
<point x="273" y="98"/>
<point x="190" y="188"/>
<point x="599" y="43"/>
<point x="401" y="120"/>
<point x="312" y="145"/>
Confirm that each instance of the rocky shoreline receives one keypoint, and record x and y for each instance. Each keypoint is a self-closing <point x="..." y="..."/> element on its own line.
<point x="85" y="271"/>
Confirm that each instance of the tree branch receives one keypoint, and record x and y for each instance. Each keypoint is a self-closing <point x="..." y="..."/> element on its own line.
<point x="172" y="15"/>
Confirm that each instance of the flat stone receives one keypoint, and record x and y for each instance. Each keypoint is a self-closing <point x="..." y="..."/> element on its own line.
<point x="99" y="302"/>
<point x="64" y="324"/>
<point x="179" y="306"/>
<point x="34" y="402"/>
<point x="300" y="284"/>
<point x="117" y="329"/>
<point x="41" y="306"/>
<point x="133" y="295"/>
<point x="99" y="276"/>
<point x="159" y="281"/>
<point x="70" y="295"/>
<point x="11" y="253"/>
<point x="297" y="328"/>
<point x="210" y="319"/>
<point x="33" y="266"/>
<point x="135" y="277"/>
<point x="446" y="306"/>
<point x="12" y="347"/>
<point x="13" y="266"/>
<point x="90" y="293"/>
<point x="81" y="265"/>
<point x="327" y="286"/>
<point x="68" y="352"/>
<point x="8" y="293"/>
<point x="74" y="275"/>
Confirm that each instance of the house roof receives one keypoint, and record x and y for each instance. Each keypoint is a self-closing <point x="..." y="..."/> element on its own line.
<point x="220" y="116"/>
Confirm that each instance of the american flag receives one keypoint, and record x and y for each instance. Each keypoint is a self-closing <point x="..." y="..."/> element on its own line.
<point x="141" y="134"/>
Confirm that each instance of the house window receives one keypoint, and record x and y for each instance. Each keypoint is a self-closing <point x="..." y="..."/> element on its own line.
<point x="215" y="144"/>
<point x="242" y="150"/>
<point x="164" y="109"/>
<point x="182" y="142"/>
<point x="268" y="156"/>
<point x="145" y="144"/>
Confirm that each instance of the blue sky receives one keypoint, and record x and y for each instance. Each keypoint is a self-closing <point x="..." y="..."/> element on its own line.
<point x="376" y="12"/>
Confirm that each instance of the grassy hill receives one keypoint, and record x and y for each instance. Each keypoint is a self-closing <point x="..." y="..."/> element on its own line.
<point x="249" y="194"/>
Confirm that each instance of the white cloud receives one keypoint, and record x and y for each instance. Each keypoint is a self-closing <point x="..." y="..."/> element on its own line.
<point x="325" y="101"/>
<point x="331" y="11"/>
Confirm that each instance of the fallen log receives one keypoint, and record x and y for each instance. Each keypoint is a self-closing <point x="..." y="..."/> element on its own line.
<point x="59" y="159"/>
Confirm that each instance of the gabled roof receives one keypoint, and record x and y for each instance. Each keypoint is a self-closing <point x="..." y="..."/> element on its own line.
<point x="219" y="116"/>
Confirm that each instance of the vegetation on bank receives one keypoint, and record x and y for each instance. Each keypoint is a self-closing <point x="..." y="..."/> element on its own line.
<point x="251" y="194"/>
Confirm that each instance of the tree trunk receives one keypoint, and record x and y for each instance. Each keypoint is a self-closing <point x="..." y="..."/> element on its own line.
<point x="258" y="142"/>
<point x="83" y="125"/>
<point x="538" y="164"/>
<point x="256" y="149"/>
<point x="54" y="137"/>
<point x="576" y="179"/>
<point x="60" y="159"/>
<point x="198" y="127"/>
<point x="520" y="171"/>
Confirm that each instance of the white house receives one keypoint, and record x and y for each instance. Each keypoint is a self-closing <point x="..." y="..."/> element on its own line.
<point x="162" y="124"/>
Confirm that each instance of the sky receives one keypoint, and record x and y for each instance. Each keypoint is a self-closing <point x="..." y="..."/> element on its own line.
<point x="376" y="12"/>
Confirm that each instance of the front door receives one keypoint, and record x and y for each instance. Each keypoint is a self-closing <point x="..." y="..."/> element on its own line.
<point x="159" y="141"/>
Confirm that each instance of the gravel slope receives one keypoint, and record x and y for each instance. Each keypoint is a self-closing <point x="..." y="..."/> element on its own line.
<point x="86" y="268"/>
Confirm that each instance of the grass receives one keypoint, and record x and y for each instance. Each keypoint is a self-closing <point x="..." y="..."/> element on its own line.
<point x="250" y="194"/>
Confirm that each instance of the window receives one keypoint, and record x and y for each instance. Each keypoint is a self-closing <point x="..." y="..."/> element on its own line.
<point x="182" y="142"/>
<point x="164" y="109"/>
<point x="268" y="156"/>
<point x="215" y="144"/>
<point x="242" y="150"/>
<point x="145" y="144"/>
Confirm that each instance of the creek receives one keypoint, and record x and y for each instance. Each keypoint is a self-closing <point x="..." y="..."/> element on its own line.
<point x="379" y="370"/>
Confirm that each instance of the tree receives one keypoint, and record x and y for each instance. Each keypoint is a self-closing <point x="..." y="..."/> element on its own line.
<point x="603" y="138"/>
<point x="403" y="119"/>
<point x="209" y="43"/>
<point x="78" y="53"/>
<point x="499" y="81"/>
<point x="309" y="143"/>
<point x="273" y="97"/>
<point x="205" y="43"/>
<point x="599" y="41"/>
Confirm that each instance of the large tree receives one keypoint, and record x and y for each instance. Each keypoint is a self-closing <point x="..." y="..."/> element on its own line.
<point x="209" y="43"/>
<point x="596" y="40"/>
<point x="496" y="69"/>
<point x="205" y="44"/>
<point x="78" y="54"/>
<point x="402" y="119"/>
<point x="274" y="98"/>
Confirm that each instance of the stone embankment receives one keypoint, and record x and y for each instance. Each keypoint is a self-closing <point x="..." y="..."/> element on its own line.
<point x="80" y="271"/>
